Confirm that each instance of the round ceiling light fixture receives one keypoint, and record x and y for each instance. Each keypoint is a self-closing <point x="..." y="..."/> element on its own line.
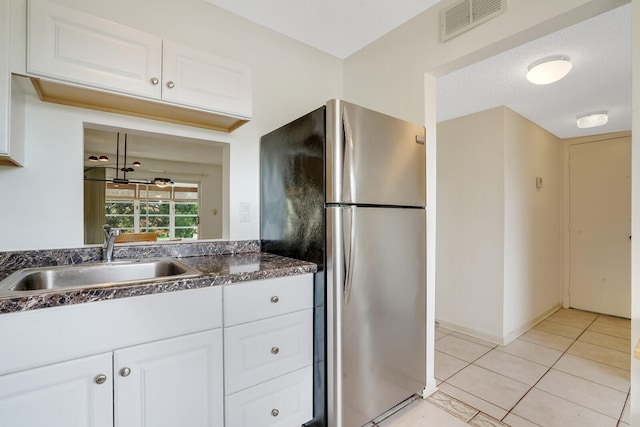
<point x="549" y="70"/>
<point x="592" y="120"/>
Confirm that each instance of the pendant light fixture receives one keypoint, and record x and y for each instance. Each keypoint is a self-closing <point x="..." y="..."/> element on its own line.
<point x="549" y="70"/>
<point x="159" y="182"/>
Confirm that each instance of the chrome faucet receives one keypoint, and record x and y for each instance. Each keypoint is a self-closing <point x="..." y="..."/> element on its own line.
<point x="109" y="241"/>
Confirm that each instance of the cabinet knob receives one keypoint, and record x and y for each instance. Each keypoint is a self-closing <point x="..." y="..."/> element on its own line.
<point x="170" y="84"/>
<point x="154" y="81"/>
<point x="125" y="372"/>
<point x="275" y="350"/>
<point x="101" y="379"/>
<point x="275" y="412"/>
<point x="275" y="299"/>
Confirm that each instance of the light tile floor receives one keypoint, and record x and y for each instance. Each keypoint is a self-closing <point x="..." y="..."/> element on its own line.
<point x="572" y="369"/>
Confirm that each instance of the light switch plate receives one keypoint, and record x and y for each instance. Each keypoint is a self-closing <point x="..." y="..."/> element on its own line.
<point x="245" y="212"/>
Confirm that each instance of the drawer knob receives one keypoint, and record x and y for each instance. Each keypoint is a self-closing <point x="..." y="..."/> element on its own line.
<point x="125" y="372"/>
<point x="154" y="81"/>
<point x="275" y="350"/>
<point x="275" y="299"/>
<point x="101" y="379"/>
<point x="275" y="412"/>
<point x="171" y="84"/>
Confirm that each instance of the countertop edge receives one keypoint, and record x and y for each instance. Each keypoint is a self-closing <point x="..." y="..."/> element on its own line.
<point x="269" y="266"/>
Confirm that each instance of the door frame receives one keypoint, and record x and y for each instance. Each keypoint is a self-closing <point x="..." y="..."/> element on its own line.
<point x="568" y="142"/>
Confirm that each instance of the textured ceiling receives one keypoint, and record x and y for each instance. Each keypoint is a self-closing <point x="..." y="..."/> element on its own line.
<point x="600" y="50"/>
<point x="338" y="27"/>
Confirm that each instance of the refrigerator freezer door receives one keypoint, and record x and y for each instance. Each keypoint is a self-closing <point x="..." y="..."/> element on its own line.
<point x="372" y="158"/>
<point x="376" y="354"/>
<point x="292" y="189"/>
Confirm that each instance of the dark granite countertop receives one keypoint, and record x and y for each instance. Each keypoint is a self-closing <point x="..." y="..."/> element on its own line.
<point x="216" y="268"/>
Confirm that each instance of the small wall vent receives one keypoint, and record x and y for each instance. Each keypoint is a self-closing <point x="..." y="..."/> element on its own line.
<point x="466" y="14"/>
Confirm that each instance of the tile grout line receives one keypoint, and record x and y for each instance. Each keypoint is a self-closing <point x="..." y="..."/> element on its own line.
<point x="574" y="340"/>
<point x="554" y="364"/>
<point x="548" y="370"/>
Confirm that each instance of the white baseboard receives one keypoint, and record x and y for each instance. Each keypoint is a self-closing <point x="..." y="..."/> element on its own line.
<point x="500" y="340"/>
<point x="511" y="336"/>
<point x="471" y="331"/>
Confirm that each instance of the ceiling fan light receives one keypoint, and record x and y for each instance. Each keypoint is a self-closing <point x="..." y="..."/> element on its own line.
<point x="549" y="70"/>
<point x="592" y="120"/>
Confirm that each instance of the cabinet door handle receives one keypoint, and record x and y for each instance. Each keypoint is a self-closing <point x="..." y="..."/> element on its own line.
<point x="125" y="372"/>
<point x="275" y="299"/>
<point x="170" y="84"/>
<point x="154" y="81"/>
<point x="275" y="412"/>
<point x="275" y="350"/>
<point x="101" y="379"/>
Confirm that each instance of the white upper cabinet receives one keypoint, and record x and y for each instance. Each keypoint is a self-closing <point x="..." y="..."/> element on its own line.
<point x="78" y="48"/>
<point x="195" y="78"/>
<point x="11" y="97"/>
<point x="78" y="59"/>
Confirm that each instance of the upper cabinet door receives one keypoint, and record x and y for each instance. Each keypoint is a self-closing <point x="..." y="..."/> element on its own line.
<point x="68" y="45"/>
<point x="199" y="79"/>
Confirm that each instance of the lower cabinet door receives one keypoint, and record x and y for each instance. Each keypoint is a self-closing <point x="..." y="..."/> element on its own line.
<point x="282" y="402"/>
<point x="169" y="383"/>
<point x="78" y="393"/>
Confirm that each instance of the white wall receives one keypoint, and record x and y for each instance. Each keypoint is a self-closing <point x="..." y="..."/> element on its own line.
<point x="289" y="79"/>
<point x="470" y="227"/>
<point x="499" y="246"/>
<point x="533" y="247"/>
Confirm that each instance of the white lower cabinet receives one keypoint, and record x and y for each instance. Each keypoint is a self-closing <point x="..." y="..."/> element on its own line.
<point x="78" y="393"/>
<point x="168" y="383"/>
<point x="141" y="362"/>
<point x="268" y="352"/>
<point x="282" y="402"/>
<point x="174" y="382"/>
<point x="259" y="351"/>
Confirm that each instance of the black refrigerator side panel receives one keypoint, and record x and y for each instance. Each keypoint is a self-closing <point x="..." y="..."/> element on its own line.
<point x="292" y="189"/>
<point x="292" y="218"/>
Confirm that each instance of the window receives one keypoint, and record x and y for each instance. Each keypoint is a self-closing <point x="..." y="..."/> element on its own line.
<point x="171" y="212"/>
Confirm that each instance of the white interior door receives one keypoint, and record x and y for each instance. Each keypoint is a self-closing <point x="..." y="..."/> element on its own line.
<point x="600" y="226"/>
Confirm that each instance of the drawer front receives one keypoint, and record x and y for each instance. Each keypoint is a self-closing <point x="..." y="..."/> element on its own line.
<point x="283" y="402"/>
<point x="249" y="301"/>
<point x="259" y="351"/>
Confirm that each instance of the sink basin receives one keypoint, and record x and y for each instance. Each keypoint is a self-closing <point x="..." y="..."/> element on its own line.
<point x="94" y="275"/>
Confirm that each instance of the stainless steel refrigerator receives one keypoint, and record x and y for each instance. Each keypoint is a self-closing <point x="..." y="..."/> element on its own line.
<point x="345" y="187"/>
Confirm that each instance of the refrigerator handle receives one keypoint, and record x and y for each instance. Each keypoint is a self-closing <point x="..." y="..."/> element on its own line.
<point x="348" y="279"/>
<point x="349" y="174"/>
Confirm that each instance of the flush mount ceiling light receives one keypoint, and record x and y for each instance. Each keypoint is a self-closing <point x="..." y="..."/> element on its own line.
<point x="103" y="158"/>
<point x="93" y="159"/>
<point x="549" y="70"/>
<point x="592" y="120"/>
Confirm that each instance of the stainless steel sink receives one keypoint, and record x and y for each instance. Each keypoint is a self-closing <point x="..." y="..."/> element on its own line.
<point x="42" y="279"/>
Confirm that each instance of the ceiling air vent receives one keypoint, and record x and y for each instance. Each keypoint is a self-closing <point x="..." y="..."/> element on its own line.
<point x="466" y="14"/>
